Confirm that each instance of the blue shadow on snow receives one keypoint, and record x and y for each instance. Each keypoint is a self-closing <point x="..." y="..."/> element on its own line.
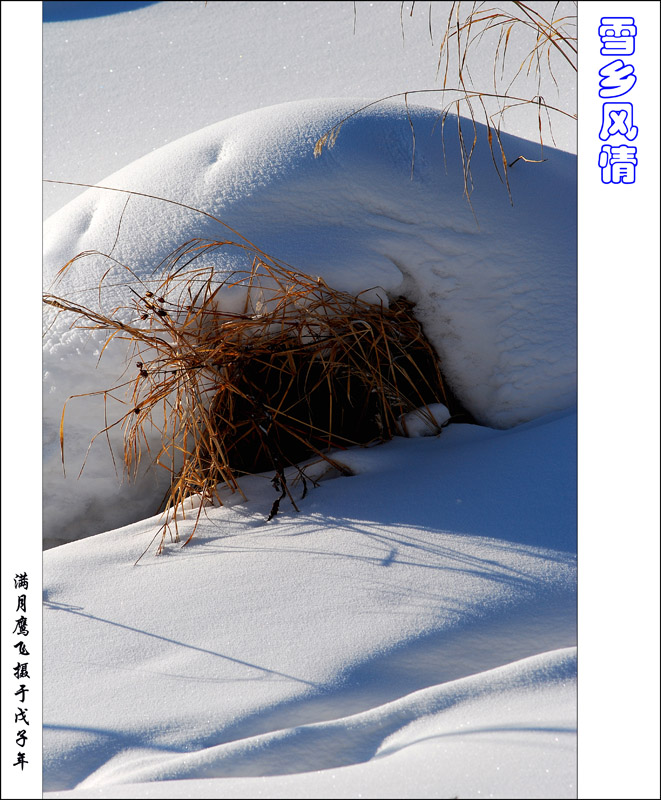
<point x="60" y="11"/>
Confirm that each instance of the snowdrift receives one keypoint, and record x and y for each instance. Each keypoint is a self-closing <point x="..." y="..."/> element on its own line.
<point x="409" y="633"/>
<point x="384" y="210"/>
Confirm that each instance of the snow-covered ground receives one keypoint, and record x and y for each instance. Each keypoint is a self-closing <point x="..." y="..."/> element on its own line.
<point x="402" y="616"/>
<point x="411" y="631"/>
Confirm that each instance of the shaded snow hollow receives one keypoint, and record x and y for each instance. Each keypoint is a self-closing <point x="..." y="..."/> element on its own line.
<point x="493" y="284"/>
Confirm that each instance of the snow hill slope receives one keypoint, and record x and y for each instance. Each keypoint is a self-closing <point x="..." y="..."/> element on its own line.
<point x="121" y="86"/>
<point x="377" y="628"/>
<point x="494" y="283"/>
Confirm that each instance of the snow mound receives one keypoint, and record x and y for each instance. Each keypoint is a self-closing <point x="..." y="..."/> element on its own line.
<point x="493" y="284"/>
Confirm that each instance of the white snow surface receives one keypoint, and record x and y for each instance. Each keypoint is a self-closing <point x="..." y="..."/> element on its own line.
<point x="411" y="631"/>
<point x="413" y="613"/>
<point x="121" y="86"/>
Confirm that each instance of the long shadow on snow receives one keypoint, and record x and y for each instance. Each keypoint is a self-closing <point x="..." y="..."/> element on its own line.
<point x="74" y="610"/>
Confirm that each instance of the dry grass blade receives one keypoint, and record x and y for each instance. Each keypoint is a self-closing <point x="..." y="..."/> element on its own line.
<point x="329" y="138"/>
<point x="463" y="32"/>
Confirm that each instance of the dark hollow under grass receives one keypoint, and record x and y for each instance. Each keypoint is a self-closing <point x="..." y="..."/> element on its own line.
<point x="297" y="370"/>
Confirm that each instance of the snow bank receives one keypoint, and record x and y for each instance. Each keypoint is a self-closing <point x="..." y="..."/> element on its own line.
<point x="508" y="732"/>
<point x="378" y="628"/>
<point x="119" y="87"/>
<point x="494" y="284"/>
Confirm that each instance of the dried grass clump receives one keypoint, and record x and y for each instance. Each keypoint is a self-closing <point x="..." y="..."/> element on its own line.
<point x="290" y="370"/>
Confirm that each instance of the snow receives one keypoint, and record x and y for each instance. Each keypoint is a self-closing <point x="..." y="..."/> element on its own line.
<point x="358" y="629"/>
<point x="424" y="421"/>
<point x="411" y="632"/>
<point x="494" y="285"/>
<point x="165" y="71"/>
<point x="473" y="725"/>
